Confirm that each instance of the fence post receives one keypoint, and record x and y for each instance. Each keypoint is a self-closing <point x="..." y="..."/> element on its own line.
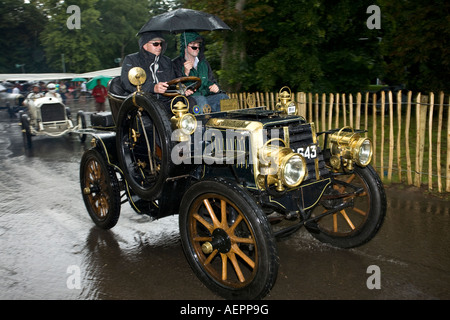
<point x="399" y="134"/>
<point x="383" y="112"/>
<point x="316" y="111"/>
<point x="324" y="106"/>
<point x="438" y="143"/>
<point x="430" y="141"/>
<point x="448" y="152"/>
<point x="301" y="104"/>
<point x="374" y="128"/>
<point x="336" y="123"/>
<point x="350" y="108"/>
<point x="391" y="135"/>
<point x="330" y="110"/>
<point x="407" y="132"/>
<point x="421" y="120"/>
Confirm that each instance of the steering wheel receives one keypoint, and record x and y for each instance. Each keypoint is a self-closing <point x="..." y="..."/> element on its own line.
<point x="177" y="86"/>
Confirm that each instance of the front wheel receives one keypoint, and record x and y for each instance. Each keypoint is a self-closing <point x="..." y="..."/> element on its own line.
<point x="81" y="122"/>
<point x="100" y="189"/>
<point x="26" y="130"/>
<point x="361" y="196"/>
<point x="227" y="240"/>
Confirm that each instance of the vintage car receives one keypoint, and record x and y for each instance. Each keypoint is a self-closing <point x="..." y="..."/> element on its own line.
<point x="238" y="179"/>
<point x="12" y="102"/>
<point x="48" y="116"/>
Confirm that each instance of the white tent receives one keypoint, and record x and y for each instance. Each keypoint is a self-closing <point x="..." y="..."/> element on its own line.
<point x="58" y="76"/>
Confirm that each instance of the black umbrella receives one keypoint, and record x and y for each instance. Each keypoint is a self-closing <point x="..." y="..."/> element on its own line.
<point x="180" y="20"/>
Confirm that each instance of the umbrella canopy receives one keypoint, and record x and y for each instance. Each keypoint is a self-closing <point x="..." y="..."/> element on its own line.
<point x="78" y="79"/>
<point x="180" y="20"/>
<point x="93" y="82"/>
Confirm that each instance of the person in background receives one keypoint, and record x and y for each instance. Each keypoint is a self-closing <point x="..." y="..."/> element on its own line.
<point x="62" y="91"/>
<point x="100" y="93"/>
<point x="192" y="62"/>
<point x="30" y="100"/>
<point x="51" y="92"/>
<point x="16" y="89"/>
<point x="83" y="92"/>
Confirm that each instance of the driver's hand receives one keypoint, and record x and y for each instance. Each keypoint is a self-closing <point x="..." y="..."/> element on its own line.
<point x="188" y="92"/>
<point x="188" y="65"/>
<point x="214" y="88"/>
<point x="161" y="87"/>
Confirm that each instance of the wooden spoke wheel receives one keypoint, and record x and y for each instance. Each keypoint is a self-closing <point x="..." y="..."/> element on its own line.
<point x="100" y="189"/>
<point x="358" y="222"/>
<point x="227" y="240"/>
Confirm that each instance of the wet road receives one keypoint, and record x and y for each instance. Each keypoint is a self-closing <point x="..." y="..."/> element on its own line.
<point x="50" y="248"/>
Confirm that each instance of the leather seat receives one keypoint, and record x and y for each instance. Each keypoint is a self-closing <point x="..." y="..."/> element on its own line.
<point x="116" y="95"/>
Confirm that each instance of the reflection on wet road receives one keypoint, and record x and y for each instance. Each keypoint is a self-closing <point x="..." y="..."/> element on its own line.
<point x="50" y="248"/>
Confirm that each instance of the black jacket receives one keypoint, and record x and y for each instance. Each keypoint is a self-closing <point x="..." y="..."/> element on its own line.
<point x="162" y="73"/>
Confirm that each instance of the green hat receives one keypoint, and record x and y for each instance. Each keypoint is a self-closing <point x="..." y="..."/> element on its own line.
<point x="188" y="37"/>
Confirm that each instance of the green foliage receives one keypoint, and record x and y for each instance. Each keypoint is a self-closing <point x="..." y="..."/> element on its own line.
<point x="119" y="27"/>
<point x="416" y="44"/>
<point x="77" y="45"/>
<point x="20" y="26"/>
<point x="309" y="45"/>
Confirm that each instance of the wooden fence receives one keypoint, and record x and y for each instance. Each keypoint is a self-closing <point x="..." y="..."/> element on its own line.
<point x="406" y="129"/>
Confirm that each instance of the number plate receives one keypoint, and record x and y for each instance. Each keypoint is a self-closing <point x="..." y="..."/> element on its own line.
<point x="309" y="152"/>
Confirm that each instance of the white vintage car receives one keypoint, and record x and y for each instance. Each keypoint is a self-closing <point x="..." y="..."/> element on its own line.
<point x="48" y="116"/>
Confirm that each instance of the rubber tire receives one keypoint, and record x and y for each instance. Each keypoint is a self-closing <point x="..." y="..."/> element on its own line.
<point x="110" y="192"/>
<point x="267" y="262"/>
<point x="375" y="217"/>
<point x="26" y="131"/>
<point x="81" y="120"/>
<point x="159" y="116"/>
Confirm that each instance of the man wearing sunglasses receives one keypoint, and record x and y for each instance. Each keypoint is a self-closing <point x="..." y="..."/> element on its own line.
<point x="192" y="62"/>
<point x="151" y="58"/>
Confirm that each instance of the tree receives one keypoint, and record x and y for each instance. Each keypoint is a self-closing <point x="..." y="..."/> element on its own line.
<point x="120" y="21"/>
<point x="416" y="44"/>
<point x="21" y="24"/>
<point x="79" y="47"/>
<point x="305" y="44"/>
<point x="244" y="17"/>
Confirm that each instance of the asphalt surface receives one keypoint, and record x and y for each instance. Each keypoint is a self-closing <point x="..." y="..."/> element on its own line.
<point x="50" y="248"/>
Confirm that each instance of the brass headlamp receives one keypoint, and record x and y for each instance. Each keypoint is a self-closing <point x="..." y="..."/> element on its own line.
<point x="348" y="147"/>
<point x="285" y="104"/>
<point x="182" y="120"/>
<point x="280" y="166"/>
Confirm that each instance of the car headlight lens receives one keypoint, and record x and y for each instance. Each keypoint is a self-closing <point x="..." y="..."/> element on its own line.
<point x="188" y="123"/>
<point x="364" y="154"/>
<point x="293" y="170"/>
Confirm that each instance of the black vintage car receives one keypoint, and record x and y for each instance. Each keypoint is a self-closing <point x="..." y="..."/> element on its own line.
<point x="238" y="180"/>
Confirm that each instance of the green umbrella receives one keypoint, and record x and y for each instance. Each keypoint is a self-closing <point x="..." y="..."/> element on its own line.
<point x="93" y="82"/>
<point x="78" y="79"/>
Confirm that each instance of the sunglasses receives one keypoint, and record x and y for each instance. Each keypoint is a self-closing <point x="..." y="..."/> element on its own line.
<point x="157" y="44"/>
<point x="194" y="48"/>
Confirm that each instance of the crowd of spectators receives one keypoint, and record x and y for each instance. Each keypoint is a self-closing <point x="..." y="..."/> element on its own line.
<point x="69" y="90"/>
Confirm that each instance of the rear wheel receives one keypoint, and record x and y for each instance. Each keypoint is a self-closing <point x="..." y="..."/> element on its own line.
<point x="228" y="240"/>
<point x="100" y="189"/>
<point x="356" y="224"/>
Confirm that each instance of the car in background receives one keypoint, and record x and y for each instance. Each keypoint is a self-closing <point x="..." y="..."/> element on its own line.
<point x="48" y="116"/>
